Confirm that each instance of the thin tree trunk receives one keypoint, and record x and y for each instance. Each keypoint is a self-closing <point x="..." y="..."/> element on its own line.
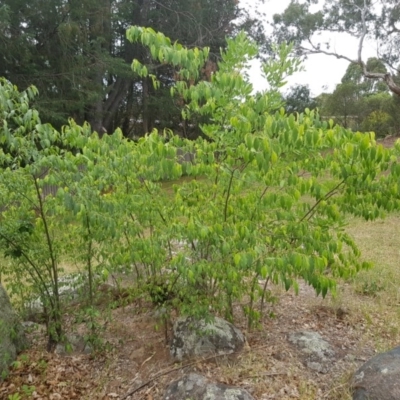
<point x="118" y="93"/>
<point x="145" y="94"/>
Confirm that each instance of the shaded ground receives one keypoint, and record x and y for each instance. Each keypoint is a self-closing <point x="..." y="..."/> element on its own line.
<point x="269" y="367"/>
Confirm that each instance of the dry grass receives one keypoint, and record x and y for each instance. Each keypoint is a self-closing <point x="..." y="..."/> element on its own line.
<point x="376" y="293"/>
<point x="379" y="242"/>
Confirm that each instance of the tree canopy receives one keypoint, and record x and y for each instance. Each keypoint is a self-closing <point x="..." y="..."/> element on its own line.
<point x="303" y="21"/>
<point x="298" y="99"/>
<point x="362" y="104"/>
<point x="77" y="55"/>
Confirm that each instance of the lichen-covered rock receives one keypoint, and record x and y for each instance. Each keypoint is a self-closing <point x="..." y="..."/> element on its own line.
<point x="379" y="378"/>
<point x="197" y="387"/>
<point x="196" y="338"/>
<point x="12" y="338"/>
<point x="316" y="351"/>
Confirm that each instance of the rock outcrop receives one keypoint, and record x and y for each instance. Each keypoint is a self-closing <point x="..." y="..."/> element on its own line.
<point x="379" y="378"/>
<point x="317" y="353"/>
<point x="12" y="337"/>
<point x="197" y="338"/>
<point x="197" y="387"/>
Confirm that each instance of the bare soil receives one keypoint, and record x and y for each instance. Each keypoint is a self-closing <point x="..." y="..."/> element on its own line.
<point x="137" y="364"/>
<point x="389" y="141"/>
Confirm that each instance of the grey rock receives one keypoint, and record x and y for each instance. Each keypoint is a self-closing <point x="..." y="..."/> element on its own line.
<point x="73" y="344"/>
<point x="29" y="325"/>
<point x="378" y="378"/>
<point x="12" y="337"/>
<point x="69" y="288"/>
<point x="317" y="352"/>
<point x="197" y="387"/>
<point x="196" y="338"/>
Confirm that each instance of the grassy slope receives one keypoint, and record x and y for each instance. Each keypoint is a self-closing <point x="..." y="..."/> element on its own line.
<point x="379" y="288"/>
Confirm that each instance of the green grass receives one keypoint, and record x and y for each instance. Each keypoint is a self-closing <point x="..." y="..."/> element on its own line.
<point x="379" y="242"/>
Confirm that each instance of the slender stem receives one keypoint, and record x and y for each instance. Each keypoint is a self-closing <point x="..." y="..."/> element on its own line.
<point x="158" y="210"/>
<point x="228" y="195"/>
<point x="133" y="220"/>
<point x="48" y="238"/>
<point x="249" y="317"/>
<point x="263" y="296"/>
<point x="89" y="258"/>
<point x="31" y="263"/>
<point x="216" y="181"/>
<point x="261" y="196"/>
<point x="55" y="311"/>
<point x="327" y="196"/>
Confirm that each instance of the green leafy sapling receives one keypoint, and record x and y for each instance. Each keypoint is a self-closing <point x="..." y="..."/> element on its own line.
<point x="274" y="191"/>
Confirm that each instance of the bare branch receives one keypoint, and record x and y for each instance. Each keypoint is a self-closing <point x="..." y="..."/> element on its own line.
<point x="364" y="32"/>
<point x="316" y="50"/>
<point x="386" y="77"/>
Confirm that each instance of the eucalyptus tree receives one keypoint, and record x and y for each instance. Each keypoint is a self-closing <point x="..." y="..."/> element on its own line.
<point x="344" y="105"/>
<point x="303" y="21"/>
<point x="354" y="74"/>
<point x="360" y="103"/>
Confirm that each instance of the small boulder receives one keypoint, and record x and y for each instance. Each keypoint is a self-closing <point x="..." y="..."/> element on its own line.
<point x="197" y="387"/>
<point x="12" y="338"/>
<point x="317" y="352"/>
<point x="378" y="378"/>
<point x="197" y="338"/>
<point x="70" y="287"/>
<point x="74" y="344"/>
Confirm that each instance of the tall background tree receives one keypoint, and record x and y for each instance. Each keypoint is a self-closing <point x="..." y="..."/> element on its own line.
<point x="77" y="55"/>
<point x="298" y="99"/>
<point x="362" y="104"/>
<point x="362" y="19"/>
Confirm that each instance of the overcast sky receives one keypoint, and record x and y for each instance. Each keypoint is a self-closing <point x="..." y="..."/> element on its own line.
<point x="322" y="73"/>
